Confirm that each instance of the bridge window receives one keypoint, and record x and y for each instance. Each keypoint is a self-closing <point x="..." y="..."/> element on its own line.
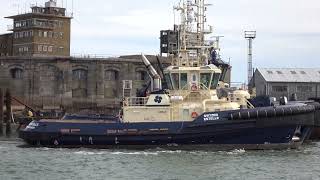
<point x="205" y="79"/>
<point x="16" y="73"/>
<point x="175" y="80"/>
<point x="183" y="80"/>
<point x="80" y="74"/>
<point x="168" y="81"/>
<point x="215" y="80"/>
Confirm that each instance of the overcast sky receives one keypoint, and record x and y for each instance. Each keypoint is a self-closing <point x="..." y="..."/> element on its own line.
<point x="288" y="31"/>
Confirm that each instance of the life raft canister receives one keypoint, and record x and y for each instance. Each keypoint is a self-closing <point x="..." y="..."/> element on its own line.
<point x="194" y="114"/>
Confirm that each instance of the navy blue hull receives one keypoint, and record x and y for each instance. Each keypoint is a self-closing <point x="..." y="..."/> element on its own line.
<point x="245" y="129"/>
<point x="214" y="134"/>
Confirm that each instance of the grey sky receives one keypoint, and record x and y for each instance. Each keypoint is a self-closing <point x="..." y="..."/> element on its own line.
<point x="288" y="30"/>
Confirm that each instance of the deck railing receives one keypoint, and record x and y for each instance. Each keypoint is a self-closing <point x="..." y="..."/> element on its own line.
<point x="135" y="101"/>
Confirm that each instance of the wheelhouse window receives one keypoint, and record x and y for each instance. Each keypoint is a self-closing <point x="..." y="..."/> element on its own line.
<point x="16" y="73"/>
<point x="215" y="80"/>
<point x="80" y="74"/>
<point x="168" y="81"/>
<point x="205" y="79"/>
<point x="183" y="80"/>
<point x="175" y="80"/>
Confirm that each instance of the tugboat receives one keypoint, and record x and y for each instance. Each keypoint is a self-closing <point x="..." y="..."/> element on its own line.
<point x="195" y="108"/>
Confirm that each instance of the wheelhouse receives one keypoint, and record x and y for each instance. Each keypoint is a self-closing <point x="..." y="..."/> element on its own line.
<point x="192" y="78"/>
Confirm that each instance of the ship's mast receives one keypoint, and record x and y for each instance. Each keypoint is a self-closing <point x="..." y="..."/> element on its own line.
<point x="193" y="50"/>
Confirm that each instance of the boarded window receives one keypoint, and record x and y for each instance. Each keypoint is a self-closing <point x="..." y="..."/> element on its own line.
<point x="16" y="73"/>
<point x="79" y="74"/>
<point x="141" y="75"/>
<point x="280" y="88"/>
<point x="111" y="75"/>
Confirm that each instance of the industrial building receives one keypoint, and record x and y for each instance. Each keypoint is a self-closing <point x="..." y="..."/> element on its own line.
<point x="277" y="82"/>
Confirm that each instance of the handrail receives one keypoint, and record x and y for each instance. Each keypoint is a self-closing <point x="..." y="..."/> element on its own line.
<point x="135" y="101"/>
<point x="250" y="106"/>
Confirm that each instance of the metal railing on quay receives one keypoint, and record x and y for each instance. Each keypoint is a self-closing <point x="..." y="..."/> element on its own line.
<point x="93" y="56"/>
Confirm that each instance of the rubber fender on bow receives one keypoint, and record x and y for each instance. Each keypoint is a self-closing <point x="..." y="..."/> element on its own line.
<point x="271" y="112"/>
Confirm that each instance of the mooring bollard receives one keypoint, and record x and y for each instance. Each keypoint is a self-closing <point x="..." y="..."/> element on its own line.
<point x="1" y="112"/>
<point x="8" y="112"/>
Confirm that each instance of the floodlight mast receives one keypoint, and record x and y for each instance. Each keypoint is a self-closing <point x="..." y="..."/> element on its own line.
<point x="250" y="36"/>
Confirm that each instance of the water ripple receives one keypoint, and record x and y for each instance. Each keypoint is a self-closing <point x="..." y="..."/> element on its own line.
<point x="156" y="164"/>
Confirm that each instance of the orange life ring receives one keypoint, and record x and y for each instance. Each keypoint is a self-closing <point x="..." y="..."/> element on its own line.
<point x="194" y="114"/>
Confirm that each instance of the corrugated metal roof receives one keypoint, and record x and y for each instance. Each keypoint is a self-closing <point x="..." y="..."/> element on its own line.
<point x="290" y="74"/>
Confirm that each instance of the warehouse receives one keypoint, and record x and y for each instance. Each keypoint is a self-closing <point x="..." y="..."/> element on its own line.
<point x="277" y="82"/>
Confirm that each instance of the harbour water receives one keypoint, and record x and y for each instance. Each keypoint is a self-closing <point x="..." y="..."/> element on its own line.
<point x="156" y="164"/>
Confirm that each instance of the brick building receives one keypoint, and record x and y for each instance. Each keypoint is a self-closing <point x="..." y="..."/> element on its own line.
<point x="45" y="31"/>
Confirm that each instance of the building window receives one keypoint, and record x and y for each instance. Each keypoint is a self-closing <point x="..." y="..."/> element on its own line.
<point x="16" y="73"/>
<point x="269" y="72"/>
<point x="280" y="88"/>
<point x="141" y="76"/>
<point x="293" y="72"/>
<point x="60" y="50"/>
<point x="304" y="89"/>
<point x="50" y="48"/>
<point x="55" y="34"/>
<point x="50" y="34"/>
<point x="40" y="48"/>
<point x="303" y="72"/>
<point x="45" y="34"/>
<point x="40" y="33"/>
<point x="79" y="74"/>
<point x="30" y="33"/>
<point x="20" y="49"/>
<point x="61" y="35"/>
<point x="45" y="48"/>
<point x="111" y="75"/>
<point x="60" y="23"/>
<point x="23" y="23"/>
<point x="279" y="72"/>
<point x="18" y="24"/>
<point x="25" y="49"/>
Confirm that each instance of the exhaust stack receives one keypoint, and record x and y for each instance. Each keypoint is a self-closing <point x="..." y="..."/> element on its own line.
<point x="156" y="84"/>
